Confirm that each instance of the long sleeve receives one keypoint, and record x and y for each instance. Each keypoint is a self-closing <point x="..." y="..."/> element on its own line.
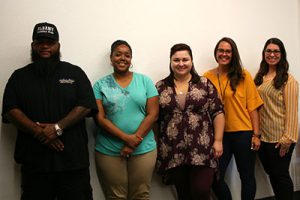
<point x="291" y="93"/>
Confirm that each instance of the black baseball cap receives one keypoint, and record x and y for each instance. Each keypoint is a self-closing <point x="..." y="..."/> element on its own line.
<point x="45" y="30"/>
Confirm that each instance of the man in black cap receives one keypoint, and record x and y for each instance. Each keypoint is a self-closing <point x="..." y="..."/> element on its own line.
<point x="47" y="101"/>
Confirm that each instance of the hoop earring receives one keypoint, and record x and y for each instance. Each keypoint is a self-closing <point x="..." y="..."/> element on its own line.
<point x="131" y="66"/>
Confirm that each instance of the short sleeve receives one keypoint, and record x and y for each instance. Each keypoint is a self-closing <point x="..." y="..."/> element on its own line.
<point x="85" y="96"/>
<point x="97" y="90"/>
<point x="150" y="87"/>
<point x="10" y="100"/>
<point x="253" y="100"/>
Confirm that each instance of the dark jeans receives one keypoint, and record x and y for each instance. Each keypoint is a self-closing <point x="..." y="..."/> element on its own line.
<point x="278" y="170"/>
<point x="239" y="145"/>
<point x="192" y="182"/>
<point x="67" y="185"/>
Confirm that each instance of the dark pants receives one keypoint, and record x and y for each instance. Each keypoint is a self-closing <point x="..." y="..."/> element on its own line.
<point x="193" y="182"/>
<point x="278" y="170"/>
<point x="66" y="185"/>
<point x="239" y="145"/>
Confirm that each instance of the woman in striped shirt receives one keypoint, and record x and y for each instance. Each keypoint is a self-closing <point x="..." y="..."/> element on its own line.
<point x="278" y="117"/>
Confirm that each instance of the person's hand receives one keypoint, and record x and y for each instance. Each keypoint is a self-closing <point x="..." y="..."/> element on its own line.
<point x="133" y="140"/>
<point x="255" y="143"/>
<point x="218" y="149"/>
<point x="126" y="151"/>
<point x="53" y="142"/>
<point x="284" y="148"/>
<point x="56" y="145"/>
<point x="48" y="133"/>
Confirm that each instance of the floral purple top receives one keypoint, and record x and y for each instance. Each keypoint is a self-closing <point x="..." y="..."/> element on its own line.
<point x="186" y="135"/>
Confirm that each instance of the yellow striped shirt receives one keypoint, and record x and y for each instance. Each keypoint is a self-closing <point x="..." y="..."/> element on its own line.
<point x="279" y="114"/>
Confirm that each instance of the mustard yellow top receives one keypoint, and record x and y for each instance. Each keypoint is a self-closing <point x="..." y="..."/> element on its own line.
<point x="279" y="114"/>
<point x="237" y="106"/>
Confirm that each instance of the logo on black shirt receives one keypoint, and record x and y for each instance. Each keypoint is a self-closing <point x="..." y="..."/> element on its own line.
<point x="66" y="81"/>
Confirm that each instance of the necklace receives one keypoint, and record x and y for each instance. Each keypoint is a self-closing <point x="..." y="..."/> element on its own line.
<point x="182" y="86"/>
<point x="222" y="92"/>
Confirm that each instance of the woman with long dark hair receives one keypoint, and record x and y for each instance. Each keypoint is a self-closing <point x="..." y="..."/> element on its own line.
<point x="241" y="102"/>
<point x="278" y="117"/>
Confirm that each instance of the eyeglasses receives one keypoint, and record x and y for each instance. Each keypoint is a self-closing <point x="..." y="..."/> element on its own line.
<point x="222" y="51"/>
<point x="270" y="51"/>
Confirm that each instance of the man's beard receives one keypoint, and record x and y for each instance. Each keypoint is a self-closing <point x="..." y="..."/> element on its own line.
<point x="45" y="66"/>
<point x="35" y="56"/>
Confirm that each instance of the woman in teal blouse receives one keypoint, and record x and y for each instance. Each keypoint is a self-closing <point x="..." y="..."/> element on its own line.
<point x="125" y="145"/>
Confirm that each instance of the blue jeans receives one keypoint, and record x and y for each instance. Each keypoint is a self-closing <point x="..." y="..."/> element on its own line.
<point x="278" y="169"/>
<point x="239" y="145"/>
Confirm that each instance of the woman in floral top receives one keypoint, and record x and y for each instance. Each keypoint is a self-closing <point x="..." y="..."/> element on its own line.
<point x="191" y="127"/>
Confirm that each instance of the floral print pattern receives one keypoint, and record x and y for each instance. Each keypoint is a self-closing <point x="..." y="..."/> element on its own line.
<point x="186" y="135"/>
<point x="118" y="101"/>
